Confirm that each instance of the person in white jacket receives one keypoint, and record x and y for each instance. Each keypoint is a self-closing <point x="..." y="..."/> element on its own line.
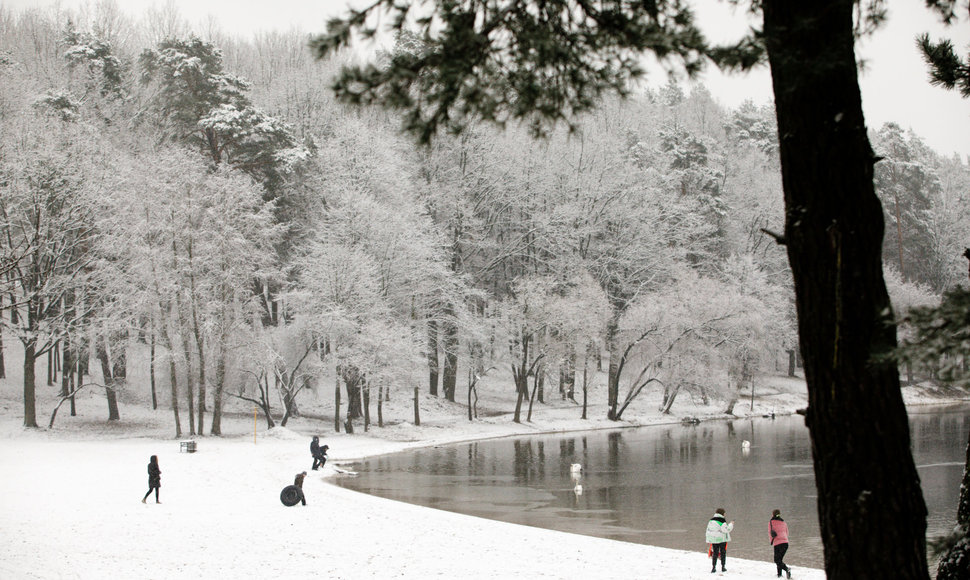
<point x="718" y="535"/>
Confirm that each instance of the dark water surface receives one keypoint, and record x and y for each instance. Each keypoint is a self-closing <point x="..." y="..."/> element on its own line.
<point x="659" y="485"/>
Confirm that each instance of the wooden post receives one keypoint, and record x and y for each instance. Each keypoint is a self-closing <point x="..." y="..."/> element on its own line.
<point x="417" y="414"/>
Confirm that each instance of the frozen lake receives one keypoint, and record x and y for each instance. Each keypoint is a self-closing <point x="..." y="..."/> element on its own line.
<point x="659" y="485"/>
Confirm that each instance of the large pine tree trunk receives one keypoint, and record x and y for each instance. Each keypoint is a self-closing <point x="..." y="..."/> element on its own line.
<point x="872" y="520"/>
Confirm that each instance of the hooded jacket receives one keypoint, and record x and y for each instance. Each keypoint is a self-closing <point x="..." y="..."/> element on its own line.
<point x="718" y="530"/>
<point x="154" y="475"/>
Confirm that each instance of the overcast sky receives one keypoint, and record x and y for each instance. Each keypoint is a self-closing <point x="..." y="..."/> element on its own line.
<point x="894" y="86"/>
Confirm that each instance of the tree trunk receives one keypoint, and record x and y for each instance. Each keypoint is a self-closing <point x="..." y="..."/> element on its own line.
<point x="352" y="380"/>
<point x="433" y="357"/>
<point x="791" y="363"/>
<point x="202" y="384"/>
<point x="834" y="232"/>
<point x="613" y="373"/>
<point x="50" y="366"/>
<point x="189" y="377"/>
<point x="336" y="405"/>
<point x="732" y="401"/>
<point x="107" y="372"/>
<point x="380" y="406"/>
<point x="585" y="384"/>
<point x="172" y="376"/>
<point x="571" y="375"/>
<point x="520" y="396"/>
<point x="536" y="387"/>
<point x="669" y="397"/>
<point x="30" y="401"/>
<point x="200" y="350"/>
<point x="78" y="379"/>
<point x="3" y="364"/>
<point x="472" y="380"/>
<point x="67" y="372"/>
<point x="538" y="390"/>
<point x="417" y="413"/>
<point x="216" y="427"/>
<point x="151" y="371"/>
<point x="366" y="395"/>
<point x="449" y="379"/>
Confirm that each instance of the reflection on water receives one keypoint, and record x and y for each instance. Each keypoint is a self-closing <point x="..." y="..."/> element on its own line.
<point x="659" y="485"/>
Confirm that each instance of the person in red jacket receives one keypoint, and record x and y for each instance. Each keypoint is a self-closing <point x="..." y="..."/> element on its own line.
<point x="779" y="539"/>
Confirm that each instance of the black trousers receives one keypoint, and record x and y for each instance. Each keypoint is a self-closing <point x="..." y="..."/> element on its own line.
<point x="780" y="550"/>
<point x="719" y="550"/>
<point x="156" y="488"/>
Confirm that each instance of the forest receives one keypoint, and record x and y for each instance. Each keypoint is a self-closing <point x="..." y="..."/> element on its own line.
<point x="206" y="198"/>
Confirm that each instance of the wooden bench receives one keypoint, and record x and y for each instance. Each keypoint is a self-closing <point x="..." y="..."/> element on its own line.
<point x="187" y="446"/>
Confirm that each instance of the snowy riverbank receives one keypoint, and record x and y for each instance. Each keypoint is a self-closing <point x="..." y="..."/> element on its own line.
<point x="70" y="507"/>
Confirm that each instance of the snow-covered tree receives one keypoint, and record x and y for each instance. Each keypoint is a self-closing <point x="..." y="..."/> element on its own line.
<point x="50" y="179"/>
<point x="907" y="185"/>
<point x="191" y="254"/>
<point x="200" y="103"/>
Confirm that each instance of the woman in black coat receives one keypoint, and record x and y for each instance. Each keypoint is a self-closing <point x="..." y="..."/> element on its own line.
<point x="154" y="478"/>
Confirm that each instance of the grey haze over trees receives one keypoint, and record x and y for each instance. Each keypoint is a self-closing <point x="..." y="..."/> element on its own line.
<point x="543" y="63"/>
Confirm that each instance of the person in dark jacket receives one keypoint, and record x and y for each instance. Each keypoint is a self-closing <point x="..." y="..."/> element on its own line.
<point x="154" y="478"/>
<point x="298" y="482"/>
<point x="319" y="453"/>
<point x="778" y="536"/>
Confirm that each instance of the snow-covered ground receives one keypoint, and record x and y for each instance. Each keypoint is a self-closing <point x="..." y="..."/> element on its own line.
<point x="70" y="501"/>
